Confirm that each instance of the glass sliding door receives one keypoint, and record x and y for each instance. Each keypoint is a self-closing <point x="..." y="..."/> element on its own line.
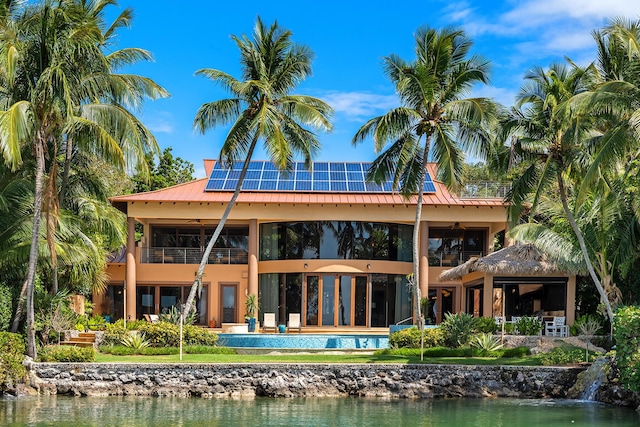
<point x="312" y="300"/>
<point x="328" y="300"/>
<point x="360" y="302"/>
<point x="344" y="301"/>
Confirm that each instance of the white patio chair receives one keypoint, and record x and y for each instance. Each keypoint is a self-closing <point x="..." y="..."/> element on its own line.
<point x="269" y="322"/>
<point x="556" y="327"/>
<point x="294" y="322"/>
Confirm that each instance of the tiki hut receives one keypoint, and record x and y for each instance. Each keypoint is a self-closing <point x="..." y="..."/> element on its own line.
<point x="519" y="279"/>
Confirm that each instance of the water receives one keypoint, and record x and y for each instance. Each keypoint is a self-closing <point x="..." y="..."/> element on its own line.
<point x="307" y="341"/>
<point x="159" y="412"/>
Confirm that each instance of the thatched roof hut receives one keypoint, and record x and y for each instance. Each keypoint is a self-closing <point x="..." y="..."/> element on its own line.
<point x="516" y="260"/>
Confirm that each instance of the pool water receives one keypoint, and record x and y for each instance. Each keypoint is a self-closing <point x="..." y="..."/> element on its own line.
<point x="304" y="341"/>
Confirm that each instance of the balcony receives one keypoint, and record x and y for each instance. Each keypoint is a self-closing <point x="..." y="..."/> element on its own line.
<point x="159" y="255"/>
<point x="441" y="259"/>
<point x="484" y="190"/>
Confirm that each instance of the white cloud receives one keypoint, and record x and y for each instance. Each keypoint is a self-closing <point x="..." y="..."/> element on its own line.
<point x="360" y="105"/>
<point x="162" y="122"/>
<point x="502" y="95"/>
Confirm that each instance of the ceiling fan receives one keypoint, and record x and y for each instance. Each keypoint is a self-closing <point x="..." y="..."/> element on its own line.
<point x="457" y="226"/>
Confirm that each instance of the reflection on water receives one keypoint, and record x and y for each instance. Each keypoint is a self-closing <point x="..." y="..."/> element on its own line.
<point x="139" y="411"/>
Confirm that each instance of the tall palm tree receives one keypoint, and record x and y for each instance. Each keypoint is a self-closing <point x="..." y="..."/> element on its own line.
<point x="262" y="108"/>
<point x="44" y="52"/>
<point x="435" y="121"/>
<point x="550" y="137"/>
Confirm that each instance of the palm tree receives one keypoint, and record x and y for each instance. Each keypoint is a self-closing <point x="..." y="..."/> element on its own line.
<point x="45" y="84"/>
<point x="262" y="108"/>
<point x="550" y="137"/>
<point x="435" y="121"/>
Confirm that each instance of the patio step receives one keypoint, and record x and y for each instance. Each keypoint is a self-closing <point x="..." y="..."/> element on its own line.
<point x="84" y="339"/>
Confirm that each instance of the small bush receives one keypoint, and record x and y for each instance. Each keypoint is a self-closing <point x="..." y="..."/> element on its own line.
<point x="159" y="351"/>
<point x="485" y="343"/>
<point x="132" y="325"/>
<point x="529" y="326"/>
<point x="458" y="328"/>
<point x="114" y="334"/>
<point x="12" y="351"/>
<point x="64" y="353"/>
<point x="407" y="352"/>
<point x="410" y="338"/>
<point x="97" y="323"/>
<point x="486" y="325"/>
<point x="165" y="334"/>
<point x="135" y="340"/>
<point x="587" y="324"/>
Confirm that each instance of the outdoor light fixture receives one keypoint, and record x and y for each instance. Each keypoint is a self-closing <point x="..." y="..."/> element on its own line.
<point x="306" y="265"/>
<point x="368" y="266"/>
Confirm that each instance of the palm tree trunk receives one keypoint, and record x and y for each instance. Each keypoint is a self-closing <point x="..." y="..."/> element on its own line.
<point x="583" y="247"/>
<point x="33" y="252"/>
<point x="417" y="294"/>
<point x="19" y="308"/>
<point x="197" y="283"/>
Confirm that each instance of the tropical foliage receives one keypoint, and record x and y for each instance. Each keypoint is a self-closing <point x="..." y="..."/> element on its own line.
<point x="435" y="121"/>
<point x="62" y="105"/>
<point x="262" y="108"/>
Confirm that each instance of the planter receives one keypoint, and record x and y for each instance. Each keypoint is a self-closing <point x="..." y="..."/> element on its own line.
<point x="252" y="324"/>
<point x="282" y="328"/>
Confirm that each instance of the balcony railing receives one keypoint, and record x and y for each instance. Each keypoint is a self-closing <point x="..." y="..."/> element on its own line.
<point x="441" y="259"/>
<point x="158" y="255"/>
<point x="484" y="190"/>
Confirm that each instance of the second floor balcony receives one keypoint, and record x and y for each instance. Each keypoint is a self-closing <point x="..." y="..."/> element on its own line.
<point x="168" y="255"/>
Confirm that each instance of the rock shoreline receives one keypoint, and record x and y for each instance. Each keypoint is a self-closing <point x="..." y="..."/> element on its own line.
<point x="301" y="380"/>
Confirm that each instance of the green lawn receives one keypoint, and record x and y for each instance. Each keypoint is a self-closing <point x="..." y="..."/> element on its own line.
<point x="316" y="358"/>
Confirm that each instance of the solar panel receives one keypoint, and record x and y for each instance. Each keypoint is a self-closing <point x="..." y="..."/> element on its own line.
<point x="339" y="177"/>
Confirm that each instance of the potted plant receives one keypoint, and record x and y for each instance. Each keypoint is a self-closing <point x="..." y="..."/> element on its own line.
<point x="251" y="306"/>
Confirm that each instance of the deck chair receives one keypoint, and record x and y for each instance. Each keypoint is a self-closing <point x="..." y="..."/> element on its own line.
<point x="269" y="322"/>
<point x="294" y="322"/>
<point x="151" y="318"/>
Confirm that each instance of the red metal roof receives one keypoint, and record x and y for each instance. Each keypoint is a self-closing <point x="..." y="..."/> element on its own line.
<point x="194" y="191"/>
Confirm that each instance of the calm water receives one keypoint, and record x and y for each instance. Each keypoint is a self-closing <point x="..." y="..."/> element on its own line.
<point x="129" y="411"/>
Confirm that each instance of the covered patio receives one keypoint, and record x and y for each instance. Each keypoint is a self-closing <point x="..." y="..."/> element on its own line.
<point x="515" y="281"/>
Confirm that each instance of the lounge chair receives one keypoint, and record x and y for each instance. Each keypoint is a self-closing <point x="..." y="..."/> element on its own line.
<point x="269" y="322"/>
<point x="294" y="322"/>
<point x="151" y="318"/>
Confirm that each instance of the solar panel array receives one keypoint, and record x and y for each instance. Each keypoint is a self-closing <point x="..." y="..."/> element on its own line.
<point x="326" y="177"/>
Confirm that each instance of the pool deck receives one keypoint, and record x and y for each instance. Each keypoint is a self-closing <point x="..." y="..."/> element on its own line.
<point x="332" y="330"/>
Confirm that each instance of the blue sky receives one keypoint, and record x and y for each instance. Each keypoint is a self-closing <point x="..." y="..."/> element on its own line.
<point x="349" y="39"/>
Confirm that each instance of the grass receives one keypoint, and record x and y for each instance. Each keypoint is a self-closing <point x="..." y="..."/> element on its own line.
<point x="318" y="358"/>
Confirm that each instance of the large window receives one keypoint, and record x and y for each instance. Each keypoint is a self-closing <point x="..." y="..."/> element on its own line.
<point x="336" y="240"/>
<point x="280" y="294"/>
<point x="451" y="246"/>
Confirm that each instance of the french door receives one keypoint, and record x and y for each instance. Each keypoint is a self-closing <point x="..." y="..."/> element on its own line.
<point x="336" y="300"/>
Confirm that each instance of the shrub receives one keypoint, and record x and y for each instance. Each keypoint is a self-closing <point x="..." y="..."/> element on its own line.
<point x="173" y="316"/>
<point x="6" y="307"/>
<point x="485" y="343"/>
<point x="457" y="328"/>
<point x="97" y="323"/>
<point x="135" y="340"/>
<point x="587" y="324"/>
<point x="487" y="325"/>
<point x="626" y="332"/>
<point x="516" y="352"/>
<point x="165" y="334"/>
<point x="114" y="334"/>
<point x="132" y="325"/>
<point x="410" y="338"/>
<point x="408" y="352"/>
<point x="564" y="356"/>
<point x="12" y="351"/>
<point x="117" y="350"/>
<point x="64" y="353"/>
<point x="529" y="326"/>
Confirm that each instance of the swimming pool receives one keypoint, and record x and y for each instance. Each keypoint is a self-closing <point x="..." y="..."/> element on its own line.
<point x="310" y="341"/>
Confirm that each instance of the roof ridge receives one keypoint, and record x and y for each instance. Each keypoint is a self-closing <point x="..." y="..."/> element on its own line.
<point x="160" y="190"/>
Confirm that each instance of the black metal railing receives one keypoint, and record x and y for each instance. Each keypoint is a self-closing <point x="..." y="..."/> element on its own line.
<point x="160" y="255"/>
<point x="441" y="259"/>
<point x="484" y="190"/>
